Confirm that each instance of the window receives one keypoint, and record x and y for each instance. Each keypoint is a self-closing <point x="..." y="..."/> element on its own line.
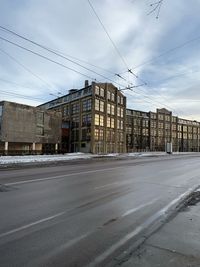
<point x="86" y="134"/>
<point x="120" y="137"/>
<point x="102" y="92"/>
<point x="108" y="108"/>
<point x="118" y="99"/>
<point x="173" y="127"/>
<point x="75" y="122"/>
<point x="101" y="106"/>
<point x="101" y="120"/>
<point x="153" y="124"/>
<point x="98" y="134"/>
<point x="145" y="123"/>
<point x="122" y="100"/>
<point x="97" y="90"/>
<point x="122" y="112"/>
<point x="112" y="123"/>
<point x="167" y="118"/>
<point x="108" y="122"/>
<point x="109" y="95"/>
<point x="160" y="117"/>
<point x="87" y="104"/>
<point x="65" y="110"/>
<point x="86" y="120"/>
<point x="118" y="111"/>
<point x="96" y="104"/>
<point x="167" y="126"/>
<point x="112" y="110"/>
<point x="96" y="119"/>
<point x="75" y="108"/>
<point x="153" y="116"/>
<point x="112" y="97"/>
<point x="119" y="124"/>
<point x="184" y="128"/>
<point x="40" y="118"/>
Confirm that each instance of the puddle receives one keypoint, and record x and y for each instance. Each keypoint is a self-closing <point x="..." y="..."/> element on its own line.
<point x="6" y="188"/>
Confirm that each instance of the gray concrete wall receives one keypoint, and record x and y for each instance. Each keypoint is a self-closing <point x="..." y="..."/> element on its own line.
<point x="20" y="124"/>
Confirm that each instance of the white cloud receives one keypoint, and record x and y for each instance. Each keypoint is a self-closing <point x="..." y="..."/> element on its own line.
<point x="71" y="26"/>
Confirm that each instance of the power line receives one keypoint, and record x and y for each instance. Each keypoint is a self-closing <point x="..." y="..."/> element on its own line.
<point x="56" y="53"/>
<point x="16" y="84"/>
<point x="155" y="101"/>
<point x="44" y="57"/>
<point x="114" y="45"/>
<point x="50" y="49"/>
<point x="156" y="7"/>
<point x="24" y="67"/>
<point x="166" y="52"/>
<point x="21" y="96"/>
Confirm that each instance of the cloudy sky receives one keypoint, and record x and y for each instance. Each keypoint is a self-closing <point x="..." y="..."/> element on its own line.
<point x="163" y="52"/>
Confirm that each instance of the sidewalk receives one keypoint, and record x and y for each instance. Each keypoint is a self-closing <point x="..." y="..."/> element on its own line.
<point x="176" y="244"/>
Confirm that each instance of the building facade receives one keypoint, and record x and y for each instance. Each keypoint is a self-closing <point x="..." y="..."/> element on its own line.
<point x="27" y="129"/>
<point x="93" y="119"/>
<point x="151" y="131"/>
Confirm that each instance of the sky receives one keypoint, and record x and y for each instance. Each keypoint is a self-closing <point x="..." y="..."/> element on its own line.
<point x="161" y="49"/>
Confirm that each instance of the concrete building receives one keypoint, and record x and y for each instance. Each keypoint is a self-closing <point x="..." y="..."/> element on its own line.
<point x="153" y="130"/>
<point x="93" y="119"/>
<point x="27" y="129"/>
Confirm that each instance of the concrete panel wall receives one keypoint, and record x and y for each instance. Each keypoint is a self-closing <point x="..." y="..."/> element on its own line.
<point x="21" y="124"/>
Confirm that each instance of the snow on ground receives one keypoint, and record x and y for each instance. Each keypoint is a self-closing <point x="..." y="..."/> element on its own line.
<point x="42" y="158"/>
<point x="7" y="160"/>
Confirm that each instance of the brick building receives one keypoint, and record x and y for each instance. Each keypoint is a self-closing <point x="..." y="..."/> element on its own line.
<point x="93" y="119"/>
<point x="153" y="130"/>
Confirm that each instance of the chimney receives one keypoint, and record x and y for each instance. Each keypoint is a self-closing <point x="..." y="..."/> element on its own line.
<point x="86" y="83"/>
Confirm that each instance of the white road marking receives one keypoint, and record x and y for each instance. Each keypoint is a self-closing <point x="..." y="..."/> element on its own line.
<point x="128" y="212"/>
<point x="158" y="215"/>
<point x="61" y="176"/>
<point x="112" y="249"/>
<point x="31" y="224"/>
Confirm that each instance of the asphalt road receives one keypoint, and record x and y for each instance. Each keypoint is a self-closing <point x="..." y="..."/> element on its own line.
<point x="83" y="214"/>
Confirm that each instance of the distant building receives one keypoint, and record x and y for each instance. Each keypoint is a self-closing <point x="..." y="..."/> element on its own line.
<point x="153" y="130"/>
<point x="27" y="129"/>
<point x="93" y="119"/>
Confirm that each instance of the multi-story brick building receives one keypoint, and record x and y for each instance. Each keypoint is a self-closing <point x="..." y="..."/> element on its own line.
<point x="153" y="130"/>
<point x="137" y="130"/>
<point x="93" y="119"/>
<point x="27" y="129"/>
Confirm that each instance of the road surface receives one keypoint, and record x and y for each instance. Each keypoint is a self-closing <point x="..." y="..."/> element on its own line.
<point x="83" y="214"/>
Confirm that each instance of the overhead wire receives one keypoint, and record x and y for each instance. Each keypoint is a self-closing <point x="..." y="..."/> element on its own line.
<point x="46" y="58"/>
<point x="111" y="40"/>
<point x="42" y="55"/>
<point x="61" y="55"/>
<point x="50" y="49"/>
<point x="21" y="96"/>
<point x="27" y="69"/>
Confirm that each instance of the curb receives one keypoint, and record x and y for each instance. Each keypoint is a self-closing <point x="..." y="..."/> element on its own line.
<point x="146" y="229"/>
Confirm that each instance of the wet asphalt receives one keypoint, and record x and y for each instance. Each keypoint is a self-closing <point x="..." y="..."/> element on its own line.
<point x="85" y="213"/>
